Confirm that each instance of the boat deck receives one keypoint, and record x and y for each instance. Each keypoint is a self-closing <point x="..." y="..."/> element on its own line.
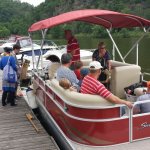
<point x="16" y="131"/>
<point x="137" y="145"/>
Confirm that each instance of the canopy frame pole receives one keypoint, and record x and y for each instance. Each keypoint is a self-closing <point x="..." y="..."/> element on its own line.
<point x="137" y="54"/>
<point x="43" y="32"/>
<point x="33" y="54"/>
<point x="108" y="31"/>
<point x="113" y="52"/>
<point x="137" y="42"/>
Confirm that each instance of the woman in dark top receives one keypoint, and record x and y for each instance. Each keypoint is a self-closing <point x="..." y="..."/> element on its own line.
<point x="103" y="56"/>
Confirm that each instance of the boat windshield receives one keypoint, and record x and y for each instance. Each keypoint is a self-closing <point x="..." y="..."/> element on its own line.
<point x="24" y="42"/>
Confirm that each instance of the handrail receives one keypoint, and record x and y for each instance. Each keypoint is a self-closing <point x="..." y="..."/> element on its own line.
<point x="143" y="74"/>
<point x="131" y="114"/>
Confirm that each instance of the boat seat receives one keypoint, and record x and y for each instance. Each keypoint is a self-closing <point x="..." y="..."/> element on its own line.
<point x="123" y="75"/>
<point x="78" y="99"/>
<point x="86" y="62"/>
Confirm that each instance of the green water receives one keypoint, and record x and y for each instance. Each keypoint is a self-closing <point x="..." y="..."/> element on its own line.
<point x="124" y="44"/>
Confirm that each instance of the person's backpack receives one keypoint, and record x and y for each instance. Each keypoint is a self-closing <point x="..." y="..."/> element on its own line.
<point x="9" y="74"/>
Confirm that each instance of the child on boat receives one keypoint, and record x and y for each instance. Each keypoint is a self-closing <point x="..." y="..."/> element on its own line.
<point x="78" y="65"/>
<point x="66" y="84"/>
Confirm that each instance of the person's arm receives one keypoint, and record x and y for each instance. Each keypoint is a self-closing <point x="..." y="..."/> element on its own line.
<point x="94" y="56"/>
<point x="109" y="65"/>
<point x="136" y="109"/>
<point x="108" y="60"/>
<point x="1" y="67"/>
<point x="13" y="63"/>
<point x="114" y="99"/>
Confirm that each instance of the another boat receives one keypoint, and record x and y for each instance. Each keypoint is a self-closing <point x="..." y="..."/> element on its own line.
<point x="84" y="121"/>
<point x="26" y="45"/>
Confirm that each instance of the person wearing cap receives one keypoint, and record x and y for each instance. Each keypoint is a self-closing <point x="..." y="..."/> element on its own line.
<point x="8" y="88"/>
<point x="73" y="47"/>
<point x="143" y="108"/>
<point x="83" y="73"/>
<point x="102" y="55"/>
<point x="91" y="85"/>
<point x="64" y="70"/>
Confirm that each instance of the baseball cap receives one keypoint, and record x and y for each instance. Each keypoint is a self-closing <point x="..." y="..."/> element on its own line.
<point x="148" y="84"/>
<point x="95" y="65"/>
<point x="84" y="71"/>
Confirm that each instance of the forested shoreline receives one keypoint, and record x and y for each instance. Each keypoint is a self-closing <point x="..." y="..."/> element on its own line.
<point x="16" y="17"/>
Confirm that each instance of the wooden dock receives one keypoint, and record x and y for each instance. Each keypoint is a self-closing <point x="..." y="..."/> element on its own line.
<point x="17" y="133"/>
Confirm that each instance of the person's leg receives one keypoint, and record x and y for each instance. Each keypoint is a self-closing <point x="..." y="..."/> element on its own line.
<point x="4" y="96"/>
<point x="8" y="98"/>
<point x="11" y="97"/>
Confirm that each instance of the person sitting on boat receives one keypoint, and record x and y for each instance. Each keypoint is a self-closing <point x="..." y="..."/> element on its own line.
<point x="91" y="85"/>
<point x="77" y="67"/>
<point x="72" y="47"/>
<point x="103" y="56"/>
<point x="65" y="72"/>
<point x="83" y="73"/>
<point x="52" y="67"/>
<point x="66" y="84"/>
<point x="143" y="108"/>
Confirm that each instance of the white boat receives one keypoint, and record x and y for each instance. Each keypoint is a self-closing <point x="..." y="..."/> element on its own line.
<point x="26" y="45"/>
<point x="89" y="122"/>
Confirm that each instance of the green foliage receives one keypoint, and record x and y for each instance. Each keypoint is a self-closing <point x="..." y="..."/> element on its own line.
<point x="4" y="32"/>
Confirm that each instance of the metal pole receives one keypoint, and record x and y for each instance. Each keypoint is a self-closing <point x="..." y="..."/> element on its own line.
<point x="130" y="125"/>
<point x="113" y="52"/>
<point x="115" y="45"/>
<point x="137" y="54"/>
<point x="33" y="55"/>
<point x="41" y="52"/>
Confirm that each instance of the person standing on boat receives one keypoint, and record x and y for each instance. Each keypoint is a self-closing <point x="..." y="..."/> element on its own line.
<point x="64" y="70"/>
<point x="72" y="47"/>
<point x="9" y="89"/>
<point x="143" y="108"/>
<point x="91" y="85"/>
<point x="102" y="55"/>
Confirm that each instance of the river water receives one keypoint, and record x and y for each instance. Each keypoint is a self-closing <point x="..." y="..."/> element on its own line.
<point x="124" y="44"/>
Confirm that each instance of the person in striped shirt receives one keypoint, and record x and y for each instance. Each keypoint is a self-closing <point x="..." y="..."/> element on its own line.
<point x="72" y="47"/>
<point x="90" y="85"/>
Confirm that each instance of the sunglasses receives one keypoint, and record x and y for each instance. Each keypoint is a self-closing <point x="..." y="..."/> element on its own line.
<point x="102" y="48"/>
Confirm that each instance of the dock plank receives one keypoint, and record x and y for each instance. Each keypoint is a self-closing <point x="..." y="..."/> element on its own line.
<point x="17" y="133"/>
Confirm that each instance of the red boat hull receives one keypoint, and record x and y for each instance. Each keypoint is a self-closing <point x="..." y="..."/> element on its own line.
<point x="94" y="127"/>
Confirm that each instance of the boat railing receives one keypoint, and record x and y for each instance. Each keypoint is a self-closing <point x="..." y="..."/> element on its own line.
<point x="143" y="75"/>
<point x="132" y="116"/>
